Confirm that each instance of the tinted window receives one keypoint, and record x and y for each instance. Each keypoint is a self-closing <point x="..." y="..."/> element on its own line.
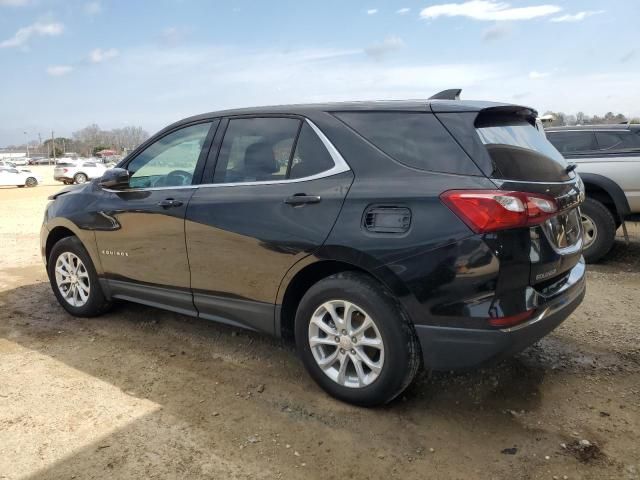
<point x="311" y="156"/>
<point x="519" y="151"/>
<point x="256" y="150"/>
<point x="617" y="141"/>
<point x="170" y="161"/>
<point x="415" y="139"/>
<point x="89" y="164"/>
<point x="573" y="142"/>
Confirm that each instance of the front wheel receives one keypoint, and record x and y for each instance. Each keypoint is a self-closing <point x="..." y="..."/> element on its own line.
<point x="599" y="230"/>
<point x="31" y="182"/>
<point x="355" y="340"/>
<point x="74" y="279"/>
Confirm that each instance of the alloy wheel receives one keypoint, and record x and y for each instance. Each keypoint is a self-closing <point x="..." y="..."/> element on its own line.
<point x="72" y="279"/>
<point x="346" y="344"/>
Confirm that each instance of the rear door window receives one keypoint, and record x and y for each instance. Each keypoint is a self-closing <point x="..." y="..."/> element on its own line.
<point x="610" y="141"/>
<point x="573" y="142"/>
<point x="417" y="140"/>
<point x="270" y="149"/>
<point x="519" y="151"/>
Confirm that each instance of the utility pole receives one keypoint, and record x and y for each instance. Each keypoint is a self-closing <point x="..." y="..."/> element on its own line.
<point x="26" y="136"/>
<point x="53" y="147"/>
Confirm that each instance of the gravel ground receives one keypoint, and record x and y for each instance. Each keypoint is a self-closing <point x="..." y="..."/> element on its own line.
<point x="141" y="393"/>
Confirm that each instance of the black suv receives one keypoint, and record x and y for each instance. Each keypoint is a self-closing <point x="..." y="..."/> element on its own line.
<point x="380" y="235"/>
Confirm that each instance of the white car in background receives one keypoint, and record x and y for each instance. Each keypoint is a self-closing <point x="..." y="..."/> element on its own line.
<point x="18" y="178"/>
<point x="78" y="171"/>
<point x="21" y="161"/>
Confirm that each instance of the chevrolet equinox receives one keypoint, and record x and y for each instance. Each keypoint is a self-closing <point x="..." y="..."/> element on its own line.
<point x="380" y="236"/>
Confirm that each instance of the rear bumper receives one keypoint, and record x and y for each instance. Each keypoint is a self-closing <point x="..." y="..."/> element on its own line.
<point x="446" y="348"/>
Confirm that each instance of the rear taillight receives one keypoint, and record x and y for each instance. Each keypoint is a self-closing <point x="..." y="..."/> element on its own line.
<point x="65" y="170"/>
<point x="490" y="210"/>
<point x="511" y="320"/>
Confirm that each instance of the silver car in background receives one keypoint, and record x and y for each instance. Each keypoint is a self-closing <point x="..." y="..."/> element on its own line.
<point x="607" y="157"/>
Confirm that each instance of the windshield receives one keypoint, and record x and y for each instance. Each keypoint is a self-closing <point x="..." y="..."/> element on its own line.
<point x="519" y="151"/>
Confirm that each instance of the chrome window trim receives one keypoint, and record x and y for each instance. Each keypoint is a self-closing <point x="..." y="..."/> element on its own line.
<point x="566" y="182"/>
<point x="340" y="165"/>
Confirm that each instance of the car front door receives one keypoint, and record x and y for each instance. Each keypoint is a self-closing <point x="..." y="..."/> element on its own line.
<point x="142" y="243"/>
<point x="272" y="199"/>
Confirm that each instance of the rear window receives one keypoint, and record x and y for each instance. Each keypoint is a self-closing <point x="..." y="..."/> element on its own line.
<point x="417" y="140"/>
<point x="519" y="151"/>
<point x="573" y="142"/>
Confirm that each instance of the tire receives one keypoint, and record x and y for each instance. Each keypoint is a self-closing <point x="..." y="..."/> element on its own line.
<point x="95" y="303"/>
<point x="399" y="358"/>
<point x="599" y="230"/>
<point x="80" y="178"/>
<point x="31" y="182"/>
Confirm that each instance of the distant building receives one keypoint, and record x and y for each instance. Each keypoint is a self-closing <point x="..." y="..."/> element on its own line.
<point x="7" y="154"/>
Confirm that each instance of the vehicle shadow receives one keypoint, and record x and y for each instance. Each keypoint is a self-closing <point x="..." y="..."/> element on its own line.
<point x="216" y="386"/>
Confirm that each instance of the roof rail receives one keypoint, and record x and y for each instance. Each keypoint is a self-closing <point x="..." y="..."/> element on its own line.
<point x="451" y="94"/>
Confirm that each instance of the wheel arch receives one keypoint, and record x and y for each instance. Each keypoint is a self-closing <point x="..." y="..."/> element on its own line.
<point x="311" y="270"/>
<point x="607" y="192"/>
<point x="60" y="228"/>
<point x="55" y="235"/>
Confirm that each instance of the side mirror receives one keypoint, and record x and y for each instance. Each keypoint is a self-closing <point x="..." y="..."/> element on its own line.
<point x="115" y="178"/>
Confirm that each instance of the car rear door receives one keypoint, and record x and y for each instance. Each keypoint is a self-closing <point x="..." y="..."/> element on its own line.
<point x="141" y="240"/>
<point x="270" y="197"/>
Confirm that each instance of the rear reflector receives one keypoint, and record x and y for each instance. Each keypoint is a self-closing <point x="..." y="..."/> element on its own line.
<point x="511" y="320"/>
<point x="490" y="210"/>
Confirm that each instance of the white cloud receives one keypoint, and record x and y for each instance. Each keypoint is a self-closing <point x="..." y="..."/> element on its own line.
<point x="534" y="75"/>
<point x="98" y="55"/>
<point x="488" y="10"/>
<point x="14" y="3"/>
<point x="390" y="44"/>
<point x="23" y="35"/>
<point x="372" y="11"/>
<point x="576" y="17"/>
<point x="93" y="8"/>
<point x="59" y="70"/>
<point x="403" y="11"/>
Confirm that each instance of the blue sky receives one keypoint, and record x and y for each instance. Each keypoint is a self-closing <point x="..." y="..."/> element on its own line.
<point x="67" y="63"/>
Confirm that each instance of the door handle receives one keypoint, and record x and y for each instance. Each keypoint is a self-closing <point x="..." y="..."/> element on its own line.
<point x="301" y="199"/>
<point x="169" y="202"/>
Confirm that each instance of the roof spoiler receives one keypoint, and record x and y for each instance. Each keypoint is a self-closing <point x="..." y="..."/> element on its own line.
<point x="451" y="94"/>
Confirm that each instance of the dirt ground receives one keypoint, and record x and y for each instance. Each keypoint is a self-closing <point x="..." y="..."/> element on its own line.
<point x="141" y="393"/>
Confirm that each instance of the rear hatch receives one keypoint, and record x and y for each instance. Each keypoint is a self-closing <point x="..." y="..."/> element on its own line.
<point x="62" y="168"/>
<point x="517" y="157"/>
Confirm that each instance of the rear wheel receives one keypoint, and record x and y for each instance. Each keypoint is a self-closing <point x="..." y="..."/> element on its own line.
<point x="599" y="230"/>
<point x="80" y="178"/>
<point x="355" y="340"/>
<point x="31" y="182"/>
<point x="74" y="279"/>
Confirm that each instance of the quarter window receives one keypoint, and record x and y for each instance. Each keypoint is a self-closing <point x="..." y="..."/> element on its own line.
<point x="417" y="140"/>
<point x="170" y="161"/>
